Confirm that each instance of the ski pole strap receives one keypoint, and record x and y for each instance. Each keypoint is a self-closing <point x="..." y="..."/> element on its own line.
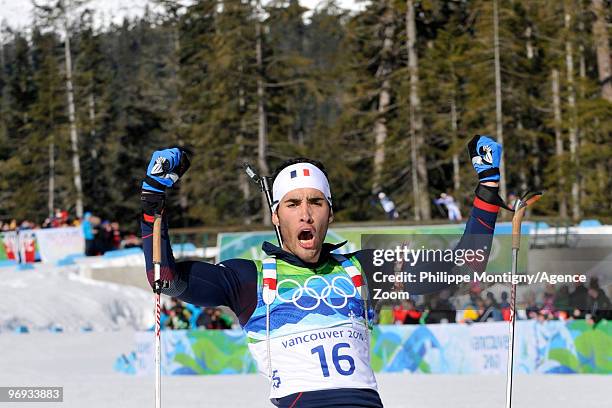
<point x="488" y="173"/>
<point x="490" y="195"/>
<point x="154" y="183"/>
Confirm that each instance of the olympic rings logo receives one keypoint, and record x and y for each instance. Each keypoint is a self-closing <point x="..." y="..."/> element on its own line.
<point x="328" y="289"/>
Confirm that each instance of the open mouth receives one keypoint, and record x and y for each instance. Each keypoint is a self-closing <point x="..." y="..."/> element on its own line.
<point x="306" y="239"/>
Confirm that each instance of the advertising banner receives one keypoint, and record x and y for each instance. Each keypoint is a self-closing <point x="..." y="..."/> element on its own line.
<point x="28" y="247"/>
<point x="58" y="243"/>
<point x="9" y="250"/>
<point x="569" y="347"/>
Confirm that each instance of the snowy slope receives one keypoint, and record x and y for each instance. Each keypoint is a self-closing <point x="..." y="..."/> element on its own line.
<point x="58" y="297"/>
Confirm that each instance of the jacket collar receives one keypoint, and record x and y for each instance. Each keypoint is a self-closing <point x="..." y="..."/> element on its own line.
<point x="279" y="253"/>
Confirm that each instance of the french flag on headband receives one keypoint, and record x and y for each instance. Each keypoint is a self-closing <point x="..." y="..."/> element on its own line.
<point x="299" y="175"/>
<point x="306" y="172"/>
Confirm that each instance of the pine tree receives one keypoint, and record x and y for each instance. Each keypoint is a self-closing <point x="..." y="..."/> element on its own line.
<point x="92" y="79"/>
<point x="373" y="62"/>
<point x="444" y="66"/>
<point x="210" y="109"/>
<point x="241" y="84"/>
<point x="61" y="14"/>
<point x="20" y="94"/>
<point x="48" y="130"/>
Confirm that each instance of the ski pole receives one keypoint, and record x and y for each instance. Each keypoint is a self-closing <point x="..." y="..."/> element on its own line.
<point x="157" y="289"/>
<point x="264" y="184"/>
<point x="519" y="212"/>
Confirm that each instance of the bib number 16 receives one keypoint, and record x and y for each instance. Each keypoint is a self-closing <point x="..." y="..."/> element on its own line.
<point x="336" y="359"/>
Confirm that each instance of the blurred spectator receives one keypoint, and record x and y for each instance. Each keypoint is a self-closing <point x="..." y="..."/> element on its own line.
<point x="470" y="309"/>
<point x="532" y="308"/>
<point x="213" y="319"/>
<point x="177" y="316"/>
<point x="548" y="308"/>
<point x="60" y="219"/>
<point x="598" y="304"/>
<point x="116" y="235"/>
<point x="578" y="298"/>
<point x="452" y="208"/>
<point x="205" y="318"/>
<point x="441" y="310"/>
<point x="504" y="306"/>
<point x="470" y="314"/>
<point x="562" y="300"/>
<point x="26" y="225"/>
<point x="399" y="312"/>
<point x="104" y="237"/>
<point x="388" y="206"/>
<point x="88" y="233"/>
<point x="412" y="316"/>
<point x="490" y="297"/>
<point x="177" y="319"/>
<point x="224" y="321"/>
<point x="489" y="310"/>
<point x="504" y="300"/>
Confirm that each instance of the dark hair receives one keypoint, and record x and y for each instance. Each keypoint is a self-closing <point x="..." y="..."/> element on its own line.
<point x="289" y="162"/>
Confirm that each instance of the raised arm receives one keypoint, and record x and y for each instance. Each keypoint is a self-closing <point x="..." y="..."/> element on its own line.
<point x="232" y="283"/>
<point x="485" y="155"/>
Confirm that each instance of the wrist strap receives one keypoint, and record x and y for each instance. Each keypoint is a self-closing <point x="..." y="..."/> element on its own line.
<point x="491" y="195"/>
<point x="155" y="184"/>
<point x="152" y="203"/>
<point x="494" y="171"/>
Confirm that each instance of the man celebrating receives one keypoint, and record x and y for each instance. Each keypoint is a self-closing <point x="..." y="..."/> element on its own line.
<point x="451" y="206"/>
<point x="304" y="308"/>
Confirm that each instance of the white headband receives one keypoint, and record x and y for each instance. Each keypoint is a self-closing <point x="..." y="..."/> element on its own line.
<point x="299" y="175"/>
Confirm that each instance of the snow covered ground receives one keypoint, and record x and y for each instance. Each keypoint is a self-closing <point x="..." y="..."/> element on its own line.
<point x="83" y="364"/>
<point x="59" y="297"/>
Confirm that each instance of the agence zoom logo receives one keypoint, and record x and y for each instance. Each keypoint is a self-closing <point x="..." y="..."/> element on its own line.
<point x="326" y="292"/>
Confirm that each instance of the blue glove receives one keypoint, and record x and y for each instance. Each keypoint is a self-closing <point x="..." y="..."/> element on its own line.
<point x="485" y="154"/>
<point x="165" y="168"/>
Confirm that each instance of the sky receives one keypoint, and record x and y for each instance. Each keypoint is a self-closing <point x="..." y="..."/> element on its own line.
<point x="18" y="13"/>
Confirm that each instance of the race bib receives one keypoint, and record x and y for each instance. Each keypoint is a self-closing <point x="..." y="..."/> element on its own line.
<point x="335" y="357"/>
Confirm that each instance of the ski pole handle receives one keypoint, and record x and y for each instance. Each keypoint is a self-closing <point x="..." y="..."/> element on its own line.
<point x="157" y="241"/>
<point x="517" y="219"/>
<point x="267" y="189"/>
<point x="264" y="185"/>
<point x="157" y="287"/>
<point x="519" y="212"/>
